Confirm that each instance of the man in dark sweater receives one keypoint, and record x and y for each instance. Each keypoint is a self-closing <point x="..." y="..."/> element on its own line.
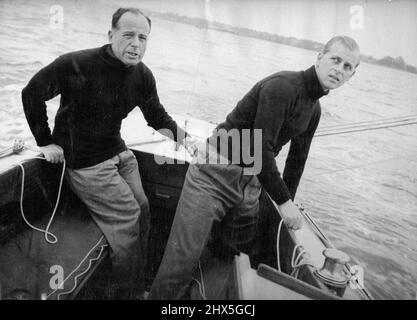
<point x="98" y="88"/>
<point x="221" y="187"/>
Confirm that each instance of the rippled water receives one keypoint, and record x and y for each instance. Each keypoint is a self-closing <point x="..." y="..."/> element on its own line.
<point x="361" y="187"/>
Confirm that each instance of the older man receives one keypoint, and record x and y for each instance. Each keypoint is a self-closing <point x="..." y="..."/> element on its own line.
<point x="281" y="108"/>
<point x="98" y="88"/>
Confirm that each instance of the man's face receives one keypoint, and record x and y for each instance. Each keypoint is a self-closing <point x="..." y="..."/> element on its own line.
<point x="128" y="41"/>
<point x="336" y="66"/>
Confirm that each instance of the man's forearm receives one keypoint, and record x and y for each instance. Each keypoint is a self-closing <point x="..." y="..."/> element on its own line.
<point x="35" y="112"/>
<point x="271" y="180"/>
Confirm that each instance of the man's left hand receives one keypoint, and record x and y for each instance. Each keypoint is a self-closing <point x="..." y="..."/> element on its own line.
<point x="190" y="144"/>
<point x="291" y="215"/>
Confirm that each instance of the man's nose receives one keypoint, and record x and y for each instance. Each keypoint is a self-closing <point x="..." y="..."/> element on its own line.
<point x="339" y="67"/>
<point x="135" y="42"/>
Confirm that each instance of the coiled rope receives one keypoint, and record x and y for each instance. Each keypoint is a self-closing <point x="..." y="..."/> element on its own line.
<point x="302" y="258"/>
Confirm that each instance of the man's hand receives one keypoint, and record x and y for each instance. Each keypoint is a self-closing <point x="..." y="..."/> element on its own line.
<point x="291" y="215"/>
<point x="191" y="145"/>
<point x="53" y="153"/>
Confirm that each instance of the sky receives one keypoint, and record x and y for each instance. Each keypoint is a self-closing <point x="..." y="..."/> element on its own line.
<point x="381" y="27"/>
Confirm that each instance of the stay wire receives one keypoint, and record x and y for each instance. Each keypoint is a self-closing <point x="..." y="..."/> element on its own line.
<point x="370" y="122"/>
<point x="320" y="134"/>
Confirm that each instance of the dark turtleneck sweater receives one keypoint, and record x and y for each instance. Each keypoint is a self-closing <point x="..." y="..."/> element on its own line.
<point x="97" y="93"/>
<point x="285" y="107"/>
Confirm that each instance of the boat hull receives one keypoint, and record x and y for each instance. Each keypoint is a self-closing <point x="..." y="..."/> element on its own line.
<point x="163" y="167"/>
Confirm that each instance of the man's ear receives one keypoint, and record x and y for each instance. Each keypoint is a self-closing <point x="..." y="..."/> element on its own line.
<point x="319" y="56"/>
<point x="110" y="35"/>
<point x="355" y="70"/>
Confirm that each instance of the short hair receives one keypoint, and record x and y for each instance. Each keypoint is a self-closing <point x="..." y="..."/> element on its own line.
<point x="346" y="41"/>
<point x="121" y="11"/>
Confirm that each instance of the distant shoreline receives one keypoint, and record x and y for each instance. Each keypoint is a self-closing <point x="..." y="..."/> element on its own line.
<point x="397" y="63"/>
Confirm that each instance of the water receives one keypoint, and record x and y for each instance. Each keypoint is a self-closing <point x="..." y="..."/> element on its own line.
<point x="361" y="188"/>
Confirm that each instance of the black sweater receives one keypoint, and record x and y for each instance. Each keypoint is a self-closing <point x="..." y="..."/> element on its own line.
<point x="285" y="107"/>
<point x="97" y="93"/>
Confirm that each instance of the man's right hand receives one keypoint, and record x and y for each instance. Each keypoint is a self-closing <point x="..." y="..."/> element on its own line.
<point x="53" y="153"/>
<point x="291" y="215"/>
<point x="195" y="146"/>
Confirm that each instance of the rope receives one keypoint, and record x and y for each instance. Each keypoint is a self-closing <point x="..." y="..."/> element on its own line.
<point x="296" y="262"/>
<point x="202" y="280"/>
<point x="18" y="145"/>
<point x="302" y="259"/>
<point x="46" y="230"/>
<point x="79" y="265"/>
<point x="278" y="235"/>
<point x="201" y="286"/>
<point x="328" y="243"/>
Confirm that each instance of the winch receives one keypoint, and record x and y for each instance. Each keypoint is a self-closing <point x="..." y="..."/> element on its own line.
<point x="332" y="273"/>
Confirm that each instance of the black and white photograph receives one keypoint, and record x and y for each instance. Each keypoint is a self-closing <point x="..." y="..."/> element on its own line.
<point x="199" y="150"/>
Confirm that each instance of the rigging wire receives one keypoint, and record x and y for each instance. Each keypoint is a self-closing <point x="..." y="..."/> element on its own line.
<point x="362" y="126"/>
<point x="399" y="118"/>
<point x="319" y="134"/>
<point x="197" y="70"/>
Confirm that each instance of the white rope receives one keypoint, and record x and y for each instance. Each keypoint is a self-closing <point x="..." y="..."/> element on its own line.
<point x="328" y="243"/>
<point x="302" y="259"/>
<point x="46" y="230"/>
<point x="202" y="280"/>
<point x="54" y="238"/>
<point x="88" y="268"/>
<point x="201" y="286"/>
<point x="278" y="235"/>
<point x="79" y="265"/>
<point x="18" y="145"/>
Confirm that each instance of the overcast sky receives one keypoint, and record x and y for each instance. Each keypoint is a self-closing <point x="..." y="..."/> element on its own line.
<point x="381" y="27"/>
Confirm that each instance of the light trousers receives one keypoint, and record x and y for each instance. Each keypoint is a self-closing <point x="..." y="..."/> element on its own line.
<point x="217" y="195"/>
<point x="112" y="191"/>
